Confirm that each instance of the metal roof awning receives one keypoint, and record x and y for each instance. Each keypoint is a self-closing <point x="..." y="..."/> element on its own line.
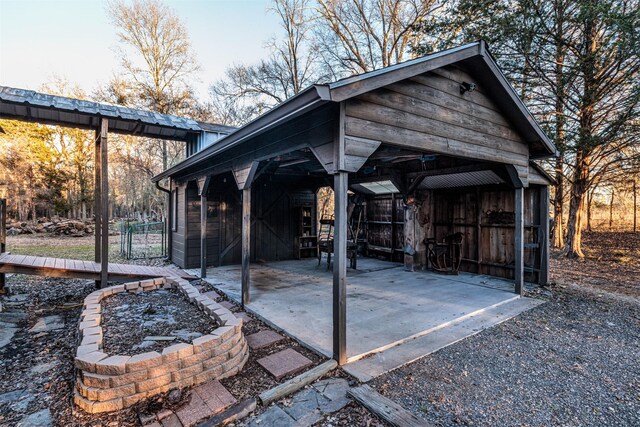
<point x="28" y="105"/>
<point x="464" y="179"/>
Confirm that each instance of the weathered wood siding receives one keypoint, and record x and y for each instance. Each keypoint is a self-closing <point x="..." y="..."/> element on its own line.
<point x="485" y="217"/>
<point x="178" y="236"/>
<point x="429" y="113"/>
<point x="275" y="222"/>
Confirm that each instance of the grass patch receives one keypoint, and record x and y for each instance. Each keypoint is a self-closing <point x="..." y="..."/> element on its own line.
<point x="61" y="247"/>
<point x="81" y="252"/>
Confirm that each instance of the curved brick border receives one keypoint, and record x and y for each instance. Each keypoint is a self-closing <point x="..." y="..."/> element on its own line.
<point x="112" y="382"/>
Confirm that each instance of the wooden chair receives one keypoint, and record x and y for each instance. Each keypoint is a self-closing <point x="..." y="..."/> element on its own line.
<point x="325" y="243"/>
<point x="446" y="256"/>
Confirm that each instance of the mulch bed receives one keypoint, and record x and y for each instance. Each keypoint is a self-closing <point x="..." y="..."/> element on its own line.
<point x="128" y="318"/>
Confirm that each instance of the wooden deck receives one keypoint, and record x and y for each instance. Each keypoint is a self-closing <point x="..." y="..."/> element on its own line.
<point x="77" y="269"/>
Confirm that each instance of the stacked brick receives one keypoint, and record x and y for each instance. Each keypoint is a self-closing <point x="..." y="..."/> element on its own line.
<point x="112" y="382"/>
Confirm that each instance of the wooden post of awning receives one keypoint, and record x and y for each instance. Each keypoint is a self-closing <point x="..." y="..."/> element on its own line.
<point x="519" y="240"/>
<point x="101" y="197"/>
<point x="203" y="188"/>
<point x="246" y="245"/>
<point x="340" y="269"/>
<point x="244" y="175"/>
<point x="339" y="156"/>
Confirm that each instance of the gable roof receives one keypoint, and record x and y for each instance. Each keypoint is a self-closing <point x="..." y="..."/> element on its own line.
<point x="473" y="55"/>
<point x="28" y="105"/>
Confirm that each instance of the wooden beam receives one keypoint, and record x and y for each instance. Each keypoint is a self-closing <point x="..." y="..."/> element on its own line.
<point x="386" y="409"/>
<point x="340" y="269"/>
<point x="295" y="384"/>
<point x="244" y="174"/>
<point x="479" y="229"/>
<point x="354" y="152"/>
<point x="101" y="200"/>
<point x="246" y="244"/>
<point x="203" y="188"/>
<point x="543" y="278"/>
<point x="519" y="241"/>
<point x="97" y="199"/>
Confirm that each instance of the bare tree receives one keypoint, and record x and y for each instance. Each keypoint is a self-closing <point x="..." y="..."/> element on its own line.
<point x="356" y="36"/>
<point x="249" y="90"/>
<point x="156" y="59"/>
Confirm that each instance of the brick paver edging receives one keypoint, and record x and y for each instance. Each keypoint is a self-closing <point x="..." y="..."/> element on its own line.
<point x="111" y="382"/>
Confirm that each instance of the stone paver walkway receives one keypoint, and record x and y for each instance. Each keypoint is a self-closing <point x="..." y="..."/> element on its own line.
<point x="244" y="316"/>
<point x="263" y="339"/>
<point x="285" y="362"/>
<point x="306" y="407"/>
<point x="207" y="400"/>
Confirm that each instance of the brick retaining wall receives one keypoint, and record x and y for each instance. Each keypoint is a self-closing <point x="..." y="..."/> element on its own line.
<point x="112" y="382"/>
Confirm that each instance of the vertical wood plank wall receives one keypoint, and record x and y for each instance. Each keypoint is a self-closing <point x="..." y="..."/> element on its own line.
<point x="178" y="238"/>
<point x="457" y="211"/>
<point x="273" y="231"/>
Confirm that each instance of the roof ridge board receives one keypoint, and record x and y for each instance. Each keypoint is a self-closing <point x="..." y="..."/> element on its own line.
<point x="351" y="79"/>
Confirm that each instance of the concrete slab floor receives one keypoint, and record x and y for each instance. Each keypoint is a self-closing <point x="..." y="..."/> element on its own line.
<point x="386" y="305"/>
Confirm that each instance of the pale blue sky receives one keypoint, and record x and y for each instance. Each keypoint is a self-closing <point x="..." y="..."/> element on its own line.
<point x="74" y="39"/>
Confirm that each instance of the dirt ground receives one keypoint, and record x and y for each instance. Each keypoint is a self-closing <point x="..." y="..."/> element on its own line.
<point x="611" y="264"/>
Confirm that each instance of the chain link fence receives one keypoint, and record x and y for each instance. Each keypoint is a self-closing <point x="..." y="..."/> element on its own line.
<point x="143" y="240"/>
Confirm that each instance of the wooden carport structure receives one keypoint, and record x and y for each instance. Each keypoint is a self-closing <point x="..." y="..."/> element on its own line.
<point x="31" y="106"/>
<point x="447" y="120"/>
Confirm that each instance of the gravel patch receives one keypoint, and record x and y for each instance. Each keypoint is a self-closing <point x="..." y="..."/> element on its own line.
<point x="572" y="361"/>
<point x="129" y="318"/>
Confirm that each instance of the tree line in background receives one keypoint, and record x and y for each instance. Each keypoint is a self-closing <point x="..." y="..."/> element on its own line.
<point x="576" y="63"/>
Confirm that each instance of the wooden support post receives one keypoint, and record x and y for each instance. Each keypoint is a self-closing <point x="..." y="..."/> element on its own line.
<point x="203" y="235"/>
<point x="3" y="239"/>
<point x="101" y="196"/>
<point x="519" y="240"/>
<point x="104" y="203"/>
<point x="340" y="269"/>
<point x="479" y="229"/>
<point x="97" y="200"/>
<point x="203" y="188"/>
<point x="543" y="277"/>
<point x="246" y="244"/>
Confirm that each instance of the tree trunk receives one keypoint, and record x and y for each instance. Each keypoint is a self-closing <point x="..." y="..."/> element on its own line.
<point x="589" y="199"/>
<point x="613" y="192"/>
<point x="560" y="120"/>
<point x="573" y="244"/>
<point x="580" y="185"/>
<point x="635" y="207"/>
<point x="558" y="208"/>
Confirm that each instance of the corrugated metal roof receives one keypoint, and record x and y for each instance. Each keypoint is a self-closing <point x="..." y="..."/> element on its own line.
<point x="464" y="179"/>
<point x="213" y="127"/>
<point x="29" y="105"/>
